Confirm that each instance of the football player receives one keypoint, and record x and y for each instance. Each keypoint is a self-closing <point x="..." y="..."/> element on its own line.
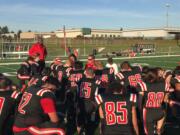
<point x="87" y="107"/>
<point x="27" y="69"/>
<point x="117" y="111"/>
<point x="153" y="91"/>
<point x="9" y="98"/>
<point x="37" y="111"/>
<point x="130" y="75"/>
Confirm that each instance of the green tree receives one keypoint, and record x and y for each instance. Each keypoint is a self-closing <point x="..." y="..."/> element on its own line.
<point x="5" y="30"/>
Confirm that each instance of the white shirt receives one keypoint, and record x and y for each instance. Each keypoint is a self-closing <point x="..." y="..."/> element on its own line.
<point x="114" y="66"/>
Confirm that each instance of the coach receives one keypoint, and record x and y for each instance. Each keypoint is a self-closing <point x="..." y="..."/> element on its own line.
<point x="39" y="47"/>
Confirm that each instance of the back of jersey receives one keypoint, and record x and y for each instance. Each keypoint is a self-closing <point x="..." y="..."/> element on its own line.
<point x="117" y="110"/>
<point x="154" y="94"/>
<point x="7" y="105"/>
<point x="130" y="77"/>
<point x="107" y="77"/>
<point x="29" y="110"/>
<point x="74" y="77"/>
<point x="88" y="88"/>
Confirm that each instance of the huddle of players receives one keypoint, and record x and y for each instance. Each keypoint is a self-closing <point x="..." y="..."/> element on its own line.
<point x="97" y="93"/>
<point x="89" y="96"/>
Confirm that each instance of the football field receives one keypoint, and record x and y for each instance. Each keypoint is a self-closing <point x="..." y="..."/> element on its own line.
<point x="10" y="67"/>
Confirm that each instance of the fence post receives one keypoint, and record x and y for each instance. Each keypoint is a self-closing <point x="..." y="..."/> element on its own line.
<point x="169" y="52"/>
<point x="2" y="49"/>
<point x="84" y="47"/>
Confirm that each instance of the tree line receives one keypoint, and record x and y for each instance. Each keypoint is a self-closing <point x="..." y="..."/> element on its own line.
<point x="5" y="33"/>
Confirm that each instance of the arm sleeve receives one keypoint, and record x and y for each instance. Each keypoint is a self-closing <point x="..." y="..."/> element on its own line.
<point x="133" y="99"/>
<point x="119" y="76"/>
<point x="48" y="105"/>
<point x="115" y="69"/>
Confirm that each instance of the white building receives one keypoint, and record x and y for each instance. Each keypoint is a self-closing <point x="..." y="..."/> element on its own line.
<point x="12" y="35"/>
<point x="33" y="35"/>
<point x="131" y="33"/>
<point x="151" y="33"/>
<point x="73" y="33"/>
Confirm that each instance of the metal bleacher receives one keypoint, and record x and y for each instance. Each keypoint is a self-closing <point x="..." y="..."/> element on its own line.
<point x="15" y="50"/>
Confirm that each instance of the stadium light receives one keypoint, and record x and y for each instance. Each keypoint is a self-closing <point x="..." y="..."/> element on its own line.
<point x="167" y="14"/>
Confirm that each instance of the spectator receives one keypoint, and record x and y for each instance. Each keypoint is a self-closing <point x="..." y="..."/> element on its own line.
<point x="41" y="49"/>
<point x="111" y="64"/>
<point x="72" y="59"/>
<point x="91" y="62"/>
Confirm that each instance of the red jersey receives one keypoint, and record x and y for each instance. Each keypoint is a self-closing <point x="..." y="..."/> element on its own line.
<point x="90" y="65"/>
<point x="38" y="48"/>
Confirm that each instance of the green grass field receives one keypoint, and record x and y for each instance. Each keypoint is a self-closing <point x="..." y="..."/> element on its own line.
<point x="163" y="47"/>
<point x="85" y="46"/>
<point x="167" y="62"/>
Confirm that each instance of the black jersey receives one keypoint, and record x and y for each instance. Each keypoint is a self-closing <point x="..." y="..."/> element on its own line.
<point x="117" y="111"/>
<point x="130" y="77"/>
<point x="30" y="111"/>
<point x="74" y="77"/>
<point x="88" y="88"/>
<point x="107" y="77"/>
<point x="154" y="93"/>
<point x="8" y="102"/>
<point x="98" y="74"/>
<point x="27" y="70"/>
<point x="37" y="80"/>
<point x="63" y="73"/>
<point x="55" y="68"/>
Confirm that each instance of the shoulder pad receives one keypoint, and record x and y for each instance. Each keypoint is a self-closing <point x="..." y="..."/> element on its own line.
<point x="98" y="82"/>
<point x="43" y="91"/>
<point x="120" y="75"/>
<point x="26" y="64"/>
<point x="142" y="86"/>
<point x="35" y="63"/>
<point x="58" y="66"/>
<point x="177" y="78"/>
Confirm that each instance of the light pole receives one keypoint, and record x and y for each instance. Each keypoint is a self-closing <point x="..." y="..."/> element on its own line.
<point x="167" y="14"/>
<point x="65" y="46"/>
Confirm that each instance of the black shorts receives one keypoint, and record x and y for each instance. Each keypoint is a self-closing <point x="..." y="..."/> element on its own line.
<point x="86" y="112"/>
<point x="150" y="117"/>
<point x="118" y="132"/>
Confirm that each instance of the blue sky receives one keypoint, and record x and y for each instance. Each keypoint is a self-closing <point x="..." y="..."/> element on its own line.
<point x="50" y="15"/>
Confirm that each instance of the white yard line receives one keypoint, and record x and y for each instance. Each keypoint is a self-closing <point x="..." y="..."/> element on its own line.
<point x="5" y="66"/>
<point x="10" y="74"/>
